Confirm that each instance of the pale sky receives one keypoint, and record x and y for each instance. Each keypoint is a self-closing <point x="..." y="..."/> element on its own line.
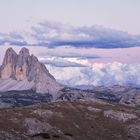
<point x="118" y="14"/>
<point x="64" y="35"/>
<point x="122" y="15"/>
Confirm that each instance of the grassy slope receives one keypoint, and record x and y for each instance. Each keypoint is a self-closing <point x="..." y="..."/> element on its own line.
<point x="69" y="121"/>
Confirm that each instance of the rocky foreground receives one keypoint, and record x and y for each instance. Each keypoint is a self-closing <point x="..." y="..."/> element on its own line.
<point x="71" y="120"/>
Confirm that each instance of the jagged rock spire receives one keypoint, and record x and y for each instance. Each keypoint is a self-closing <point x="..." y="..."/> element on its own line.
<point x="25" y="67"/>
<point x="10" y="56"/>
<point x="23" y="64"/>
<point x="9" y="64"/>
<point x="24" y="51"/>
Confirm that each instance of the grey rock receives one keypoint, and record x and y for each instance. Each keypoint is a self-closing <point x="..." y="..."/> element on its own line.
<point x="43" y="113"/>
<point x="12" y="135"/>
<point x="7" y="70"/>
<point x="120" y="116"/>
<point x="93" y="109"/>
<point x="34" y="126"/>
<point x="29" y="71"/>
<point x="134" y="131"/>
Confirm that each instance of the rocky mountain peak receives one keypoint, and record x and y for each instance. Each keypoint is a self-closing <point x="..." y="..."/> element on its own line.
<point x="34" y="58"/>
<point x="10" y="56"/>
<point x="8" y="65"/>
<point x="24" y="51"/>
<point x="25" y="70"/>
<point x="10" y="50"/>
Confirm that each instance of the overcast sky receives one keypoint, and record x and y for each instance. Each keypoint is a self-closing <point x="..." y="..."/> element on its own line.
<point x="118" y="14"/>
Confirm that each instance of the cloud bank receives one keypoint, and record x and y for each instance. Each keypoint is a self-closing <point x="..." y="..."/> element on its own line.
<point x="53" y="34"/>
<point x="98" y="74"/>
<point x="59" y="62"/>
<point x="70" y="55"/>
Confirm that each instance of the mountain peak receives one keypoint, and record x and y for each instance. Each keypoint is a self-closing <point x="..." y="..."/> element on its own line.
<point x="24" y="51"/>
<point x="24" y="72"/>
<point x="10" y="55"/>
<point x="10" y="50"/>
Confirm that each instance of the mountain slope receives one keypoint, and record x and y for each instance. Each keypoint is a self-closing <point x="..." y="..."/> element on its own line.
<point x="71" y="120"/>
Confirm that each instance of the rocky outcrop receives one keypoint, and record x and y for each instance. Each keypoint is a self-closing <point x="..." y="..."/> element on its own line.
<point x="35" y="126"/>
<point x="119" y="115"/>
<point x="23" y="72"/>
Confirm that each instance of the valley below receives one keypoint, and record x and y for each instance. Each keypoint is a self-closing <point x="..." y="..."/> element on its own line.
<point x="129" y="96"/>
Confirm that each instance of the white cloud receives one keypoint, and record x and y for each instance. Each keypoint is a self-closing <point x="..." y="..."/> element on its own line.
<point x="60" y="62"/>
<point x="98" y="74"/>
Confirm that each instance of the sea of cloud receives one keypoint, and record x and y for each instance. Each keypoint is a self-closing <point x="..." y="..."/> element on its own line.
<point x="95" y="74"/>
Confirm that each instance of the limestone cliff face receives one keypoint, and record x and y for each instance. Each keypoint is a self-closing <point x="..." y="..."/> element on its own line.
<point x="27" y="72"/>
<point x="23" y="64"/>
<point x="9" y="64"/>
